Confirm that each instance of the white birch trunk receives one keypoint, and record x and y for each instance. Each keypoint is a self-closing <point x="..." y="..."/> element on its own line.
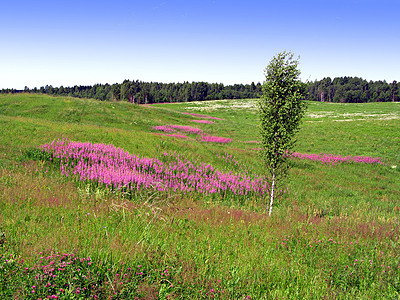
<point x="272" y="192"/>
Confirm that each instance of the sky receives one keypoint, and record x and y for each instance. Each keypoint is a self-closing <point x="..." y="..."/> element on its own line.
<point x="67" y="43"/>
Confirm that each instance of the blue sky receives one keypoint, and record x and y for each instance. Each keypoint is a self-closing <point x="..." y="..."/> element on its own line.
<point x="87" y="42"/>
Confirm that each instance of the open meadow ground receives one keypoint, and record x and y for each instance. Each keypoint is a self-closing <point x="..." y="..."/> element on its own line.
<point x="110" y="200"/>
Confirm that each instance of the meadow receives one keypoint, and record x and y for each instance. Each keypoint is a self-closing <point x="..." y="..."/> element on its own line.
<point x="110" y="200"/>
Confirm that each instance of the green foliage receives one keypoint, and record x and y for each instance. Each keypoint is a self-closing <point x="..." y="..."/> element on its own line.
<point x="353" y="90"/>
<point x="280" y="108"/>
<point x="341" y="89"/>
<point x="151" y="92"/>
<point x="36" y="155"/>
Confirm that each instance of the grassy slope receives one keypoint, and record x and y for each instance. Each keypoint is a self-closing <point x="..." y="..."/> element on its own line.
<point x="332" y="216"/>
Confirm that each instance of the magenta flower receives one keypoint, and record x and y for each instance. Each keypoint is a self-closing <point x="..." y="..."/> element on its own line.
<point x="334" y="159"/>
<point x="172" y="128"/>
<point x="203" y="121"/>
<point x="116" y="169"/>
<point x="179" y="136"/>
<point x="188" y="129"/>
<point x="215" y="139"/>
<point x="165" y="128"/>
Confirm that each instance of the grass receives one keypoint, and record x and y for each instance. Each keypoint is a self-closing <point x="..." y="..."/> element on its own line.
<point x="334" y="235"/>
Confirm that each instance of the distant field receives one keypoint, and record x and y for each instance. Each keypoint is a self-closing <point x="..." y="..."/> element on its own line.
<point x="334" y="232"/>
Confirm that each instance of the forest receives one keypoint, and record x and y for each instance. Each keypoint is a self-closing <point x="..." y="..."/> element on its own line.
<point x="340" y="89"/>
<point x="353" y="90"/>
<point x="140" y="92"/>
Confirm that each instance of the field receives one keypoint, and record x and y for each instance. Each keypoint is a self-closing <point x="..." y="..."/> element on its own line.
<point x="109" y="200"/>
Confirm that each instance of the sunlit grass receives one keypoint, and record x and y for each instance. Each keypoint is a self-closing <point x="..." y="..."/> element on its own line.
<point x="335" y="234"/>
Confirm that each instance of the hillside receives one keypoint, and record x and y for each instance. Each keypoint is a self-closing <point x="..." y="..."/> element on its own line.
<point x="334" y="232"/>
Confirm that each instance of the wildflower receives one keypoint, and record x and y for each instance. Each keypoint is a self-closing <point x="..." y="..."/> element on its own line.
<point x="203" y="121"/>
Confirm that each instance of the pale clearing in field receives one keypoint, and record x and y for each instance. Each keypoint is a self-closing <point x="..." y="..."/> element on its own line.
<point x="342" y="117"/>
<point x="215" y="105"/>
<point x="251" y="105"/>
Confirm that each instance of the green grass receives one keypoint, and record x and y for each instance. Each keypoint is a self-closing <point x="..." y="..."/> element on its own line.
<point x="334" y="235"/>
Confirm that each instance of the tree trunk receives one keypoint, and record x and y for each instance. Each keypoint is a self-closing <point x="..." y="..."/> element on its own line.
<point x="272" y="191"/>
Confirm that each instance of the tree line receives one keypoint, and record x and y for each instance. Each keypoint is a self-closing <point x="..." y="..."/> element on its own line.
<point x="353" y="90"/>
<point x="340" y="89"/>
<point x="152" y="92"/>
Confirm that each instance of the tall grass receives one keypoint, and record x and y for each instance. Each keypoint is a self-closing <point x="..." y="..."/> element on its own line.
<point x="335" y="234"/>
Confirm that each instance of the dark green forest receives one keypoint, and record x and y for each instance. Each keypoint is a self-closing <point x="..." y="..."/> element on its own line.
<point x="353" y="90"/>
<point x="153" y="92"/>
<point x="340" y="89"/>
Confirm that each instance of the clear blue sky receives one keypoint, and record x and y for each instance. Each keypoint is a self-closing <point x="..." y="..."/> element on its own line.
<point x="82" y="42"/>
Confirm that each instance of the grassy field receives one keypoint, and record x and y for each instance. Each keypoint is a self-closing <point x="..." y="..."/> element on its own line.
<point x="334" y="234"/>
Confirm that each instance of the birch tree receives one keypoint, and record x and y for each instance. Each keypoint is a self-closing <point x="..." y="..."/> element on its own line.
<point x="281" y="108"/>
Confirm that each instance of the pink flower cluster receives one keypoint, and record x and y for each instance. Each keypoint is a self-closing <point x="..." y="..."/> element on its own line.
<point x="172" y="128"/>
<point x="334" y="159"/>
<point x="66" y="276"/>
<point x="215" y="139"/>
<point x="164" y="128"/>
<point x="202" y="116"/>
<point x="194" y="130"/>
<point x="117" y="169"/>
<point x="203" y="121"/>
